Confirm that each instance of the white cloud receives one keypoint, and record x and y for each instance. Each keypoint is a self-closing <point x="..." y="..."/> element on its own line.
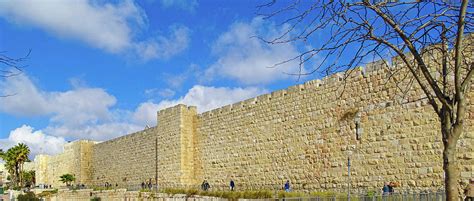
<point x="165" y="47"/>
<point x="165" y="93"/>
<point x="111" y="27"/>
<point x="27" y="100"/>
<point x="208" y="98"/>
<point x="37" y="141"/>
<point x="244" y="57"/>
<point x="98" y="132"/>
<point x="145" y="113"/>
<point x="84" y="113"/>
<point x="81" y="106"/>
<point x="73" y="107"/>
<point x="189" y="5"/>
<point x="105" y="26"/>
<point x="177" y="80"/>
<point x="88" y="113"/>
<point x="205" y="98"/>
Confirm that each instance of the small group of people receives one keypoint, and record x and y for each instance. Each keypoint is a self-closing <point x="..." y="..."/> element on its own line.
<point x="388" y="188"/>
<point x="147" y="185"/>
<point x="205" y="185"/>
<point x="109" y="185"/>
<point x="44" y="186"/>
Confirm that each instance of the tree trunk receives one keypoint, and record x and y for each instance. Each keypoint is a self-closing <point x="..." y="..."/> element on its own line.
<point x="17" y="175"/>
<point x="450" y="163"/>
<point x="21" y="176"/>
<point x="451" y="173"/>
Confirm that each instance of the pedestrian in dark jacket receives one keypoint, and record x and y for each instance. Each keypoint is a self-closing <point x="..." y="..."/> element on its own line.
<point x="206" y="185"/>
<point x="386" y="189"/>
<point x="287" y="186"/>
<point x="232" y="185"/>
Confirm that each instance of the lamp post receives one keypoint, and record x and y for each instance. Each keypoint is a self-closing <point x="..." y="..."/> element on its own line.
<point x="349" y="153"/>
<point x="156" y="164"/>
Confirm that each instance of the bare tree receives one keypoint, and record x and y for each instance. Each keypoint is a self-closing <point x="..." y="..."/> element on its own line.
<point x="343" y="34"/>
<point x="10" y="67"/>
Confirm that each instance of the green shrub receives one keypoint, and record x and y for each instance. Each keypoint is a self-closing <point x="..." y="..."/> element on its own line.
<point x="28" y="196"/>
<point x="262" y="194"/>
<point x="47" y="193"/>
<point x="145" y="190"/>
<point x="232" y="195"/>
<point x="371" y="193"/>
<point x="100" y="188"/>
<point x="95" y="199"/>
<point x="283" y="194"/>
<point x="173" y="191"/>
<point x="192" y="192"/>
<point x="328" y="194"/>
<point x="204" y="193"/>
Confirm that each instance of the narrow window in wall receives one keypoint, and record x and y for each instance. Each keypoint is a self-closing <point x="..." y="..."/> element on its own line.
<point x="359" y="130"/>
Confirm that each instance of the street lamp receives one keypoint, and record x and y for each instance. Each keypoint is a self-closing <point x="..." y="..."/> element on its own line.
<point x="349" y="153"/>
<point x="156" y="164"/>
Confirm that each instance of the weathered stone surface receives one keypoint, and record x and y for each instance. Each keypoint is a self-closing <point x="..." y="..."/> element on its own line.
<point x="76" y="159"/>
<point x="305" y="134"/>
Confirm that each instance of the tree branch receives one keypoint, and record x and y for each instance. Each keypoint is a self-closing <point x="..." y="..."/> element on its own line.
<point x="441" y="97"/>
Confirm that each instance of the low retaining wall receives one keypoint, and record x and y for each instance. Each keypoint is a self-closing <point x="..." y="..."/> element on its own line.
<point x="121" y="194"/>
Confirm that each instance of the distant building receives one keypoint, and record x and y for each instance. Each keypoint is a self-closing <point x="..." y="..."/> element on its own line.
<point x="3" y="174"/>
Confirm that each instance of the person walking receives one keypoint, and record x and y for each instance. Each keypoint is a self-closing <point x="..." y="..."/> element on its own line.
<point x="207" y="186"/>
<point x="203" y="185"/>
<point x="232" y="185"/>
<point x="287" y="186"/>
<point x="386" y="189"/>
<point x="150" y="185"/>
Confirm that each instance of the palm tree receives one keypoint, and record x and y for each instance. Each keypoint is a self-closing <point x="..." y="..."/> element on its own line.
<point x="14" y="159"/>
<point x="10" y="164"/>
<point x="67" y="179"/>
<point x="22" y="156"/>
<point x="28" y="178"/>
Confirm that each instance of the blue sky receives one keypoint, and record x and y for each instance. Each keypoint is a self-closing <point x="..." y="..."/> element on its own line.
<point x="98" y="69"/>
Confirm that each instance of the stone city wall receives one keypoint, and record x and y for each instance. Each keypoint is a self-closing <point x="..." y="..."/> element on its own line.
<point x="130" y="160"/>
<point x="126" y="160"/>
<point x="76" y="160"/>
<point x="304" y="134"/>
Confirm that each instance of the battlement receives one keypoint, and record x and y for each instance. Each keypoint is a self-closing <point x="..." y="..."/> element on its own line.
<point x="371" y="69"/>
<point x="173" y="109"/>
<point x="378" y="67"/>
